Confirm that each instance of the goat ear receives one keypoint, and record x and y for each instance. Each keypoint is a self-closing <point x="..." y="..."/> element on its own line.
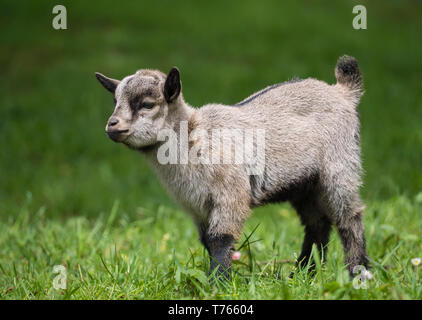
<point x="108" y="83"/>
<point x="173" y="86"/>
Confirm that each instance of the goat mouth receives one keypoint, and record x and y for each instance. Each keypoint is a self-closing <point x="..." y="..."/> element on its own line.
<point x="118" y="135"/>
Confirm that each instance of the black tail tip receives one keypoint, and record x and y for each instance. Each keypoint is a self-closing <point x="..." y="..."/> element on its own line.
<point x="347" y="72"/>
<point x="347" y="65"/>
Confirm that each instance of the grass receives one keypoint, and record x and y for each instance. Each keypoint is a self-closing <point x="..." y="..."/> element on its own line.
<point x="69" y="196"/>
<point x="158" y="257"/>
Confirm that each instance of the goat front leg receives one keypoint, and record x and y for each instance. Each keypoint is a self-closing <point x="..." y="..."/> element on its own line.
<point x="222" y="229"/>
<point x="219" y="240"/>
<point x="220" y="249"/>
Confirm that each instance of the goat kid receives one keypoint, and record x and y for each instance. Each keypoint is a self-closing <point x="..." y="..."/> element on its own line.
<point x="311" y="156"/>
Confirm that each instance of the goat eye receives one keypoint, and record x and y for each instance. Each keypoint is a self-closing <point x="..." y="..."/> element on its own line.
<point x="147" y="105"/>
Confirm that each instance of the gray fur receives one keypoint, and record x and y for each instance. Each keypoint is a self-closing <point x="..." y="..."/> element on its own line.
<point x="312" y="156"/>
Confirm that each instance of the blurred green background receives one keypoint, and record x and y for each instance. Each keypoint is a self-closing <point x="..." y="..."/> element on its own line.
<point x="53" y="111"/>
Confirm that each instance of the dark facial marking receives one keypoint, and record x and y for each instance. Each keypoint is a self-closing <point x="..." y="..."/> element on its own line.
<point x="138" y="101"/>
<point x="135" y="103"/>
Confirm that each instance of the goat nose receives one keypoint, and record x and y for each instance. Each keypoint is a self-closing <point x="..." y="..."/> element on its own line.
<point x="113" y="121"/>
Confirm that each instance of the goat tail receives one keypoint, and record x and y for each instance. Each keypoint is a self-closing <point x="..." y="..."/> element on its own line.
<point x="348" y="74"/>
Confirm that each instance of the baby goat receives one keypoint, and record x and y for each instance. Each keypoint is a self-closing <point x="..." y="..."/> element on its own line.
<point x="312" y="155"/>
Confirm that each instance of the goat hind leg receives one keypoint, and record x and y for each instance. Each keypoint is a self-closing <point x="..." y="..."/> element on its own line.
<point x="352" y="235"/>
